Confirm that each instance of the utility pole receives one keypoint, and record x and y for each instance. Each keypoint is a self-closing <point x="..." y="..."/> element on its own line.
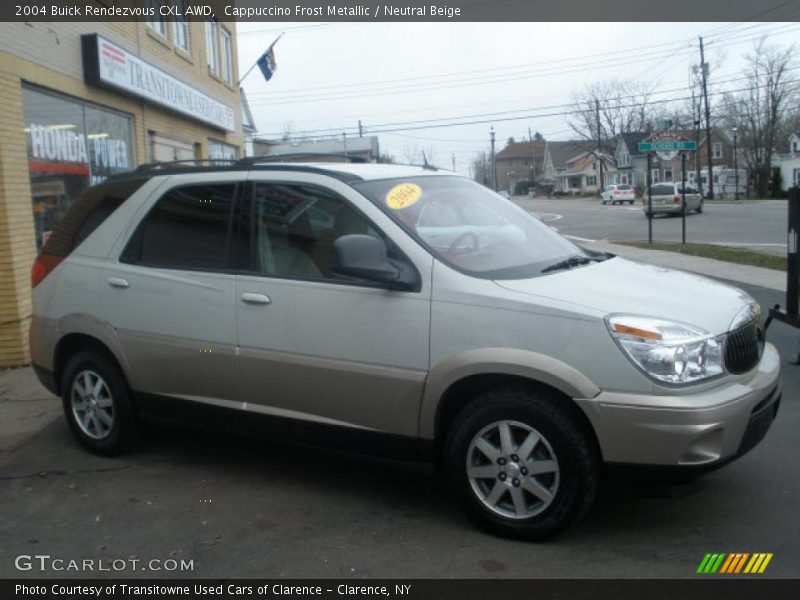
<point x="599" y="142"/>
<point x="696" y="124"/>
<point x="344" y="140"/>
<point x="494" y="164"/>
<point x="533" y="162"/>
<point x="360" y="129"/>
<point x="704" y="72"/>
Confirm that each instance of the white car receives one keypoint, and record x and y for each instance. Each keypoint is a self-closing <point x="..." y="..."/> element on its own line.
<point x="618" y="194"/>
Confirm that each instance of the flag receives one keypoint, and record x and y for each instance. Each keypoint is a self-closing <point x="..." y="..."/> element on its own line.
<point x="267" y="63"/>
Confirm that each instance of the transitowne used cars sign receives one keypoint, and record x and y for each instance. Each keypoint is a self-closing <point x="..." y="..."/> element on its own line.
<point x="105" y="63"/>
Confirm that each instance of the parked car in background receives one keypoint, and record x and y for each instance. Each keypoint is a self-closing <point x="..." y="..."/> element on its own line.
<point x="618" y="194"/>
<point x="668" y="199"/>
<point x="505" y="194"/>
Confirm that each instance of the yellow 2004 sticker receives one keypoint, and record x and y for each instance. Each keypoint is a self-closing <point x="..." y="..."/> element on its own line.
<point x="403" y="195"/>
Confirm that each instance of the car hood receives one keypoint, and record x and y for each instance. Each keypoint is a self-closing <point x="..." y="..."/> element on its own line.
<point x="618" y="285"/>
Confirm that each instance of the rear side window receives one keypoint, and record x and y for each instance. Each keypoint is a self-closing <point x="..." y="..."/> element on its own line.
<point x="188" y="228"/>
<point x="87" y="213"/>
<point x="663" y="190"/>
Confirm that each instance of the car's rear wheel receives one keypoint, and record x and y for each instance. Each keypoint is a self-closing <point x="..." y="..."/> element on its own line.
<point x="700" y="207"/>
<point x="523" y="466"/>
<point x="97" y="404"/>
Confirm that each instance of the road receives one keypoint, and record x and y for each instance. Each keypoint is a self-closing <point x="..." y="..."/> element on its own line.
<point x="754" y="225"/>
<point x="241" y="507"/>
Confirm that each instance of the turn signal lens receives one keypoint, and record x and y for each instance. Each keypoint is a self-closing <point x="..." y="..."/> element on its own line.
<point x="636" y="332"/>
<point x="43" y="266"/>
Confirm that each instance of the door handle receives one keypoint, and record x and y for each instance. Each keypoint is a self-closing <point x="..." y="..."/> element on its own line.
<point x="250" y="298"/>
<point x="117" y="282"/>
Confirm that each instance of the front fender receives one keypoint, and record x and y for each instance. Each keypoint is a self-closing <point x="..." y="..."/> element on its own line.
<point x="498" y="361"/>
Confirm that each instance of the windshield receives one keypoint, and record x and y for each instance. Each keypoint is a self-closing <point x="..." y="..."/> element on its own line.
<point x="470" y="227"/>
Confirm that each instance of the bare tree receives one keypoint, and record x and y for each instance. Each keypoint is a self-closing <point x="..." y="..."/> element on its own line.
<point x="410" y="153"/>
<point x="480" y="168"/>
<point x="762" y="111"/>
<point x="623" y="108"/>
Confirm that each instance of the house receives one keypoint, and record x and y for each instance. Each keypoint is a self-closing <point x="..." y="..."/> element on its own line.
<point x="520" y="164"/>
<point x="632" y="164"/>
<point x="573" y="167"/>
<point x="789" y="163"/>
<point x="366" y="147"/>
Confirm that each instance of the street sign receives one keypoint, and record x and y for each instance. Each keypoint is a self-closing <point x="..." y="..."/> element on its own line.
<point x="667" y="145"/>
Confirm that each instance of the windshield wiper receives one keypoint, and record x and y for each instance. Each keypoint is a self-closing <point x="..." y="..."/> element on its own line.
<point x="572" y="261"/>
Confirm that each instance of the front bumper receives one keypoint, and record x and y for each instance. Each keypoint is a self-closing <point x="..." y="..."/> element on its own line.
<point x="697" y="431"/>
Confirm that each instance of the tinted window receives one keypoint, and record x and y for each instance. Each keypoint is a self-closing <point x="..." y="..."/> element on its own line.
<point x="87" y="213"/>
<point x="624" y="186"/>
<point x="187" y="228"/>
<point x="293" y="228"/>
<point x="663" y="190"/>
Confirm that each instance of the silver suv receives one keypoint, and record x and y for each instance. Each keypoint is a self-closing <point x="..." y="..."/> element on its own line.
<point x="399" y="311"/>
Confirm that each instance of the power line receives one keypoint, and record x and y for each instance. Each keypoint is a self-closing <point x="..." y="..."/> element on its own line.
<point x="337" y="131"/>
<point x="496" y="75"/>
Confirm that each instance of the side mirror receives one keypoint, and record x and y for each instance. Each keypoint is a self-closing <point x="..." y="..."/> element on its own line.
<point x="364" y="257"/>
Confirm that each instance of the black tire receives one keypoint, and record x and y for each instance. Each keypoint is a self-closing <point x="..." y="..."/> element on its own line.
<point x="630" y="202"/>
<point x="125" y="430"/>
<point x="566" y="437"/>
<point x="700" y="208"/>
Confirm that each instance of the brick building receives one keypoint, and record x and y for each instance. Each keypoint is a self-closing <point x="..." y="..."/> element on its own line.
<point x="82" y="101"/>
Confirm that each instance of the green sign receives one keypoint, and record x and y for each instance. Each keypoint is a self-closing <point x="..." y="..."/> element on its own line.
<point x="668" y="146"/>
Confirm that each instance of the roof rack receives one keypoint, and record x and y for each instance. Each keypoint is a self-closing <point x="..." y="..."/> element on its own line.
<point x="291" y="156"/>
<point x="189" y="162"/>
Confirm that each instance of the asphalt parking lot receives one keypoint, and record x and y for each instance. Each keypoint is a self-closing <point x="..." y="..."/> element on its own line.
<point x="755" y="225"/>
<point x="241" y="507"/>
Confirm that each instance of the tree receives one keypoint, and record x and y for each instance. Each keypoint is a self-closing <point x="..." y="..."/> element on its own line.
<point x="623" y="107"/>
<point x="481" y="167"/>
<point x="760" y="112"/>
<point x="386" y="158"/>
<point x="510" y="141"/>
<point x="537" y="136"/>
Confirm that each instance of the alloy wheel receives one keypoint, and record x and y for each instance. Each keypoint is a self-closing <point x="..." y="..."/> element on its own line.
<point x="92" y="404"/>
<point x="512" y="469"/>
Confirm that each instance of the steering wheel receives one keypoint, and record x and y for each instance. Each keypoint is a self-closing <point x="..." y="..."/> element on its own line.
<point x="467" y="234"/>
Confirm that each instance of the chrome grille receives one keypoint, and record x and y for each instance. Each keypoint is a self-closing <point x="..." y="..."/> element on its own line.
<point x="743" y="348"/>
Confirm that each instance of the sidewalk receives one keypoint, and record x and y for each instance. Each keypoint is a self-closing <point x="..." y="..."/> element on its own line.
<point x="766" y="278"/>
<point x="25" y="408"/>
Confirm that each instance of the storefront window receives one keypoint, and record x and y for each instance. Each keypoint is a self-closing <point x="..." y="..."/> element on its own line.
<point x="220" y="150"/>
<point x="167" y="149"/>
<point x="71" y="146"/>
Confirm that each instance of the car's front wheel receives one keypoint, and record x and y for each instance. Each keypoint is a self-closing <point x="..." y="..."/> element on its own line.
<point x="97" y="404"/>
<point x="522" y="465"/>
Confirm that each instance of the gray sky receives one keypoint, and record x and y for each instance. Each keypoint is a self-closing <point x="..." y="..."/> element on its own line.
<point x="331" y="75"/>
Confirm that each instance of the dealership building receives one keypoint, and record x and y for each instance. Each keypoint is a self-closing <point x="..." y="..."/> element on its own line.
<point x="82" y="101"/>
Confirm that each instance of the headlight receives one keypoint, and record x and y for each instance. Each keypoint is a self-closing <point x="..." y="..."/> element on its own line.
<point x="668" y="351"/>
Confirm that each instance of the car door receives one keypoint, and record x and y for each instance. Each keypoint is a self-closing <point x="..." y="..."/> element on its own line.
<point x="314" y="346"/>
<point x="170" y="294"/>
